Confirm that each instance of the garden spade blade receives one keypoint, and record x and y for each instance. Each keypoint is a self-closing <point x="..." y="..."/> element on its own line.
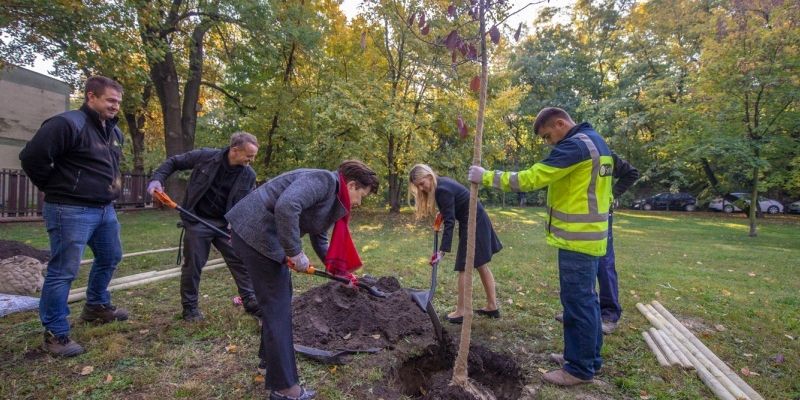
<point x="424" y="298"/>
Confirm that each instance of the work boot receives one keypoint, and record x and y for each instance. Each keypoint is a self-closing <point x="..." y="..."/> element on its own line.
<point x="558" y="358"/>
<point x="561" y="377"/>
<point x="61" y="345"/>
<point x="192" y="314"/>
<point x="609" y="327"/>
<point x="559" y="317"/>
<point x="251" y="306"/>
<point x="103" y="313"/>
<point x="305" y="394"/>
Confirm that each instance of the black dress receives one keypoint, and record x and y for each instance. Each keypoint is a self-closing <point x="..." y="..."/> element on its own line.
<point x="452" y="199"/>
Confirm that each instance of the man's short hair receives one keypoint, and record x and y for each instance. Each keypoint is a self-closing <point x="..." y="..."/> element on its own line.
<point x="98" y="84"/>
<point x="241" y="138"/>
<point x="546" y="115"/>
<point x="360" y="173"/>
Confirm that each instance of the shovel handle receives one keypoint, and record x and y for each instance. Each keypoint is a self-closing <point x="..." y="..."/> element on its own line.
<point x="164" y="199"/>
<point x="437" y="223"/>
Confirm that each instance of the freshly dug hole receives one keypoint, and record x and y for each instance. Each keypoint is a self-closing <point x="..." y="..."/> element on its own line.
<point x="428" y="376"/>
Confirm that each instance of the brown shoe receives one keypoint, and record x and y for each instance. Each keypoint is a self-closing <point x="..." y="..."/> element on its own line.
<point x="103" y="313"/>
<point x="61" y="345"/>
<point x="563" y="378"/>
<point x="558" y="358"/>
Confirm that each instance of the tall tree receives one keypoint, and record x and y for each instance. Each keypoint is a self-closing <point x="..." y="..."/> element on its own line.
<point x="748" y="84"/>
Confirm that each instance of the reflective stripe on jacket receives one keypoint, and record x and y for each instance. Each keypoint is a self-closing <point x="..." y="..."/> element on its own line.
<point x="578" y="175"/>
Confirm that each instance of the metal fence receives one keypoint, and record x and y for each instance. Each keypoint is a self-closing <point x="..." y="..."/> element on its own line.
<point x="21" y="200"/>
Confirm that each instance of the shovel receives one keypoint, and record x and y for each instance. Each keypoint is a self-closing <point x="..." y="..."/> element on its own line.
<point x="330" y="357"/>
<point x="373" y="291"/>
<point x="165" y="200"/>
<point x="424" y="298"/>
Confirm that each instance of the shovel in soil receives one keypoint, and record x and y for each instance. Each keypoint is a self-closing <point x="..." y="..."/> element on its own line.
<point x="373" y="291"/>
<point x="165" y="200"/>
<point x="424" y="298"/>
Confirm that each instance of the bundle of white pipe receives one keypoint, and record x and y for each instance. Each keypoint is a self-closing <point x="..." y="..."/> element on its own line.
<point x="142" y="278"/>
<point x="138" y="253"/>
<point x="673" y="344"/>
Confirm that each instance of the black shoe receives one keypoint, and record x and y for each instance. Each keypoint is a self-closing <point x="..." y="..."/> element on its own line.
<point x="61" y="345"/>
<point x="192" y="315"/>
<point x="487" y="313"/>
<point x="103" y="313"/>
<point x="454" y="320"/>
<point x="262" y="368"/>
<point x="305" y="394"/>
<point x="251" y="306"/>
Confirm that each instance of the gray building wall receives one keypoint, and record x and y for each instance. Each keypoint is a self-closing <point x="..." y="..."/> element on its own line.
<point x="27" y="98"/>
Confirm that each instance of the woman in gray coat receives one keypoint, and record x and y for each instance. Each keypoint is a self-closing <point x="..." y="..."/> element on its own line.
<point x="266" y="229"/>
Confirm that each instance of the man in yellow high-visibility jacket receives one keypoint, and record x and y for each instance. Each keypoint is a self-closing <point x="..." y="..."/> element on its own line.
<point x="578" y="176"/>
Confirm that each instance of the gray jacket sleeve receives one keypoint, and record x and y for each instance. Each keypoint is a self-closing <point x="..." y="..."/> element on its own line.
<point x="298" y="196"/>
<point x="320" y="245"/>
<point x="625" y="173"/>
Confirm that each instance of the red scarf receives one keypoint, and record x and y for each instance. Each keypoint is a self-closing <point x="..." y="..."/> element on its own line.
<point x="342" y="258"/>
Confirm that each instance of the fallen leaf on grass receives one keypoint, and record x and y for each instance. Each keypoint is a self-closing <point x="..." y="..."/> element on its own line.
<point x="109" y="378"/>
<point x="751" y="274"/>
<point x="542" y="370"/>
<point x="790" y="337"/>
<point x="144" y="331"/>
<point x="726" y="292"/>
<point x="510" y="301"/>
<point x="258" y="378"/>
<point x="720" y="328"/>
<point x="231" y="348"/>
<point x="87" y="370"/>
<point x="348" y="336"/>
<point x="746" y="372"/>
<point x="748" y="355"/>
<point x="376" y="336"/>
<point x="333" y="369"/>
<point x="644" y="395"/>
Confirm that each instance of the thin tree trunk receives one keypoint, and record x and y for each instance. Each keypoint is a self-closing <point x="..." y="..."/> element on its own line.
<point x="287" y="75"/>
<point x="754" y="202"/>
<point x="460" y="369"/>
<point x="191" y="90"/>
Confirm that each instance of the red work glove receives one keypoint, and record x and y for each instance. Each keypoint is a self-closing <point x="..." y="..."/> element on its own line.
<point x="436" y="257"/>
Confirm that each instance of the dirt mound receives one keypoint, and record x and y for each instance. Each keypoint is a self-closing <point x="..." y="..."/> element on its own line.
<point x="10" y="248"/>
<point x="336" y="317"/>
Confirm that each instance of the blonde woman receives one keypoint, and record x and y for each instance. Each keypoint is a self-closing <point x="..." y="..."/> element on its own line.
<point x="452" y="199"/>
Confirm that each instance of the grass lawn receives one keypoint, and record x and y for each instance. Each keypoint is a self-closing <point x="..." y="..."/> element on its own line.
<point x="740" y="295"/>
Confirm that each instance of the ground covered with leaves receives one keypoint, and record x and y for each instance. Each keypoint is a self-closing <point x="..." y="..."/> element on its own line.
<point x="738" y="294"/>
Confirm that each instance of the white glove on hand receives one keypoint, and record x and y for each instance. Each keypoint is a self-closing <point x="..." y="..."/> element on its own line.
<point x="300" y="262"/>
<point x="153" y="186"/>
<point x="437" y="257"/>
<point x="475" y="174"/>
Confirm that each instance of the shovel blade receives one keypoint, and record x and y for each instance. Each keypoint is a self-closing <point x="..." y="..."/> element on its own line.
<point x="421" y="298"/>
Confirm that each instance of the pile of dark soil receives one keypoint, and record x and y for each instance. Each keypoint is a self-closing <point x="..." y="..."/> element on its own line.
<point x="11" y="248"/>
<point x="335" y="317"/>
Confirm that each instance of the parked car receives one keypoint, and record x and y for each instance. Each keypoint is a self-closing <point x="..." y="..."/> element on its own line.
<point x="667" y="201"/>
<point x="733" y="202"/>
<point x="794" y="208"/>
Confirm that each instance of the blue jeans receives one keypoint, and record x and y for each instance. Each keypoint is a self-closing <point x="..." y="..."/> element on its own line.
<point x="583" y="336"/>
<point x="610" y="309"/>
<point x="71" y="228"/>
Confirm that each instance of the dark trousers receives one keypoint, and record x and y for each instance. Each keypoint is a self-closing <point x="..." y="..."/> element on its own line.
<point x="273" y="287"/>
<point x="583" y="336"/>
<point x="197" y="241"/>
<point x="610" y="309"/>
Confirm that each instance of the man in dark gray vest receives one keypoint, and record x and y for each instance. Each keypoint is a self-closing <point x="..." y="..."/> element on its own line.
<point x="220" y="178"/>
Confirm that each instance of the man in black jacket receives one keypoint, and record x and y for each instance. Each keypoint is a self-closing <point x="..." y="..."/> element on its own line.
<point x="220" y="178"/>
<point x="74" y="159"/>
